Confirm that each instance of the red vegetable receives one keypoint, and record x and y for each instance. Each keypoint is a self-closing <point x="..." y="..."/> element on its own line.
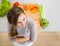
<point x="16" y="4"/>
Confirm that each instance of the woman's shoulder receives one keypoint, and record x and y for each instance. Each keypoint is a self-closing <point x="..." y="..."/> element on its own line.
<point x="30" y="21"/>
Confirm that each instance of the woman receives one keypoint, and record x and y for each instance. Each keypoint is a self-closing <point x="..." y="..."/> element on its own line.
<point x="22" y="29"/>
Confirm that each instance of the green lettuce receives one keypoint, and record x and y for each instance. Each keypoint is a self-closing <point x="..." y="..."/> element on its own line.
<point x="4" y="7"/>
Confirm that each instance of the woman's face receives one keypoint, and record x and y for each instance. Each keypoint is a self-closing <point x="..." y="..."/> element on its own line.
<point x="21" y="22"/>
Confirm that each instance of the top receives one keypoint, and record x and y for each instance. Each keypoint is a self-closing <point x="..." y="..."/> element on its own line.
<point x="29" y="30"/>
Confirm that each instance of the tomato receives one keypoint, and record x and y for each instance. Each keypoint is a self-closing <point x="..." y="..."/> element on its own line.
<point x="16" y="4"/>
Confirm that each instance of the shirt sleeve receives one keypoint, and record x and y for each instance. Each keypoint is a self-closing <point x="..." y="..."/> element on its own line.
<point x="33" y="33"/>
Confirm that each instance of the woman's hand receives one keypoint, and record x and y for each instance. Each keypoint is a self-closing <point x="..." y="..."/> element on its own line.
<point x="23" y="39"/>
<point x="13" y="37"/>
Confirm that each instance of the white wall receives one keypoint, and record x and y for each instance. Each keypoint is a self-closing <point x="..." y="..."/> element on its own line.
<point x="52" y="9"/>
<point x="3" y="24"/>
<point x="52" y="13"/>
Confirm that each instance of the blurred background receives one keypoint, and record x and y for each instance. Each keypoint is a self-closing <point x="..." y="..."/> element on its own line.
<point x="50" y="36"/>
<point x="52" y="13"/>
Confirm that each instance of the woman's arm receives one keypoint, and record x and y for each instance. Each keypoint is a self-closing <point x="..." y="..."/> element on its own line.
<point x="33" y="35"/>
<point x="22" y="39"/>
<point x="34" y="32"/>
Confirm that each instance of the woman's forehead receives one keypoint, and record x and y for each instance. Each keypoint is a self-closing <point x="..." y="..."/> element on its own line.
<point x="21" y="17"/>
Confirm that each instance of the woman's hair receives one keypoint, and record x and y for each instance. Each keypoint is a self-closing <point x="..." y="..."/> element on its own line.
<point x="12" y="17"/>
